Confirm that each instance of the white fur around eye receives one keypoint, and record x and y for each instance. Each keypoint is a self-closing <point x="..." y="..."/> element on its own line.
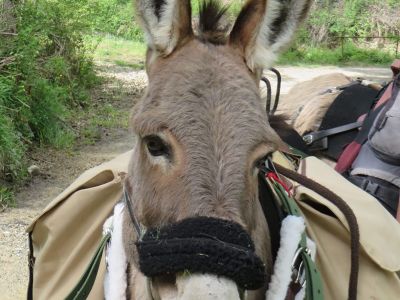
<point x="161" y="161"/>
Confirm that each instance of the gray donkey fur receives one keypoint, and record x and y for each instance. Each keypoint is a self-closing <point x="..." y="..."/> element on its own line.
<point x="203" y="103"/>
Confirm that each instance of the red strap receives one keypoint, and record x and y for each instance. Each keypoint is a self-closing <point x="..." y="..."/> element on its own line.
<point x="274" y="177"/>
<point x="386" y="96"/>
<point x="395" y="67"/>
<point x="347" y="157"/>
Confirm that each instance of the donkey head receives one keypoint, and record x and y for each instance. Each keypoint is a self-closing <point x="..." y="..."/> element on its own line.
<point x="201" y="130"/>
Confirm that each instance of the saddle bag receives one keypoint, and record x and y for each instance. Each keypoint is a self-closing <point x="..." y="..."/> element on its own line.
<point x="384" y="135"/>
<point x="65" y="237"/>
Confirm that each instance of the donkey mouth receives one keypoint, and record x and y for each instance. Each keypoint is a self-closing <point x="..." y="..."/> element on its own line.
<point x="202" y="245"/>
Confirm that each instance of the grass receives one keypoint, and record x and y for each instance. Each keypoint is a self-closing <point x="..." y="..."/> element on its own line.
<point x="351" y="56"/>
<point x="108" y="111"/>
<point x="121" y="52"/>
<point x="128" y="53"/>
<point x="106" y="117"/>
<point x="7" y="198"/>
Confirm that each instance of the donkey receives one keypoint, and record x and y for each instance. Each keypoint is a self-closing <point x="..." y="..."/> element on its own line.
<point x="201" y="132"/>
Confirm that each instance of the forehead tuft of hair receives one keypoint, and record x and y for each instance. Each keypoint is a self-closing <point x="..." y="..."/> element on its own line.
<point x="213" y="28"/>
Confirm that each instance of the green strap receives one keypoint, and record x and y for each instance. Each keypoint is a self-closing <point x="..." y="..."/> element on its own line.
<point x="85" y="284"/>
<point x="313" y="278"/>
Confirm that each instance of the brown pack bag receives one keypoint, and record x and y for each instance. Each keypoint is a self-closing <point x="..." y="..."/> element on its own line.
<point x="66" y="235"/>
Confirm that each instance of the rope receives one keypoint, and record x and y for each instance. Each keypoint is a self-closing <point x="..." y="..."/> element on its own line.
<point x="350" y="218"/>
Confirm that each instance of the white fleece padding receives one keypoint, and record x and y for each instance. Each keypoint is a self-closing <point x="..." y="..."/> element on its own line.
<point x="291" y="230"/>
<point x="115" y="281"/>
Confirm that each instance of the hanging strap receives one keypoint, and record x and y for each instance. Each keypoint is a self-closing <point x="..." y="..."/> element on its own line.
<point x="312" y="137"/>
<point x="85" y="284"/>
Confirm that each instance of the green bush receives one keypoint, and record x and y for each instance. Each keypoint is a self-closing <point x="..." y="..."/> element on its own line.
<point x="351" y="55"/>
<point x="6" y="198"/>
<point x="115" y="17"/>
<point x="330" y="19"/>
<point x="46" y="71"/>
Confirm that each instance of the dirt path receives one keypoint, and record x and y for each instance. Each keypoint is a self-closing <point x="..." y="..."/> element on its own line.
<point x="58" y="168"/>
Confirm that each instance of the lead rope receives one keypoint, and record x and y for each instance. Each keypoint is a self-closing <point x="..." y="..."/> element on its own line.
<point x="132" y="216"/>
<point x="347" y="212"/>
<point x="139" y="231"/>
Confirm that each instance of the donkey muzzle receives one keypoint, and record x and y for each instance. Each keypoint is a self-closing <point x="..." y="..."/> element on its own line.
<point x="202" y="245"/>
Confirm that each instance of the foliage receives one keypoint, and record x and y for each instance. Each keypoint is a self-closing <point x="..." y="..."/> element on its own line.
<point x="352" y="55"/>
<point x="330" y="19"/>
<point x="6" y="198"/>
<point x="115" y="17"/>
<point x="331" y="26"/>
<point x="45" y="71"/>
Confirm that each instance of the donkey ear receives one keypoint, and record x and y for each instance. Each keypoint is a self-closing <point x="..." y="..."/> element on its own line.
<point x="166" y="23"/>
<point x="265" y="27"/>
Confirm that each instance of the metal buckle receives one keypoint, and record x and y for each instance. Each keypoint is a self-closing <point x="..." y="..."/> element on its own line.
<point x="308" y="139"/>
<point x="107" y="250"/>
<point x="298" y="268"/>
<point x="371" y="188"/>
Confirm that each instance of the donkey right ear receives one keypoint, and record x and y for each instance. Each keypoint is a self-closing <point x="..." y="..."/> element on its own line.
<point x="166" y="23"/>
<point x="265" y="27"/>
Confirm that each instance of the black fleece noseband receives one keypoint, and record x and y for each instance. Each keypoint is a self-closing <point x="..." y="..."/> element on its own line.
<point x="205" y="245"/>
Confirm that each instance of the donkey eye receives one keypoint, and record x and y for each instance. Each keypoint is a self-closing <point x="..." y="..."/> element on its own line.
<point x="156" y="146"/>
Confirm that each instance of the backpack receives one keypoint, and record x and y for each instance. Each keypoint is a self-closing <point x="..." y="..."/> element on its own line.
<point x="350" y="153"/>
<point x="382" y="136"/>
<point x="372" y="160"/>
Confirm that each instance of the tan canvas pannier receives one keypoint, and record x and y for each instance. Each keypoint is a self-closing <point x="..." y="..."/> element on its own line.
<point x="65" y="236"/>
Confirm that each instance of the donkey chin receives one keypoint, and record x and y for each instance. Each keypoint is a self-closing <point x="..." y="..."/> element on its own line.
<point x="199" y="287"/>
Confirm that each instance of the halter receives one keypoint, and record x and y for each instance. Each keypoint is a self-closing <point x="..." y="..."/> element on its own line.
<point x="216" y="246"/>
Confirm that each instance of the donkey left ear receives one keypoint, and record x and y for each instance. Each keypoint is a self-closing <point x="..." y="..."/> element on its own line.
<point x="166" y="23"/>
<point x="265" y="27"/>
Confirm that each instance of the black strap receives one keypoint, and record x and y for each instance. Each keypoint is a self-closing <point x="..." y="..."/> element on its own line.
<point x="278" y="89"/>
<point x="132" y="216"/>
<point x="271" y="111"/>
<point x="386" y="193"/>
<point x="318" y="135"/>
<point x="31" y="262"/>
<point x="271" y="209"/>
<point x="362" y="136"/>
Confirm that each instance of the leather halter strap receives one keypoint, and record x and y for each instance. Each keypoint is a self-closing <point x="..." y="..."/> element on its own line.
<point x="128" y="203"/>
